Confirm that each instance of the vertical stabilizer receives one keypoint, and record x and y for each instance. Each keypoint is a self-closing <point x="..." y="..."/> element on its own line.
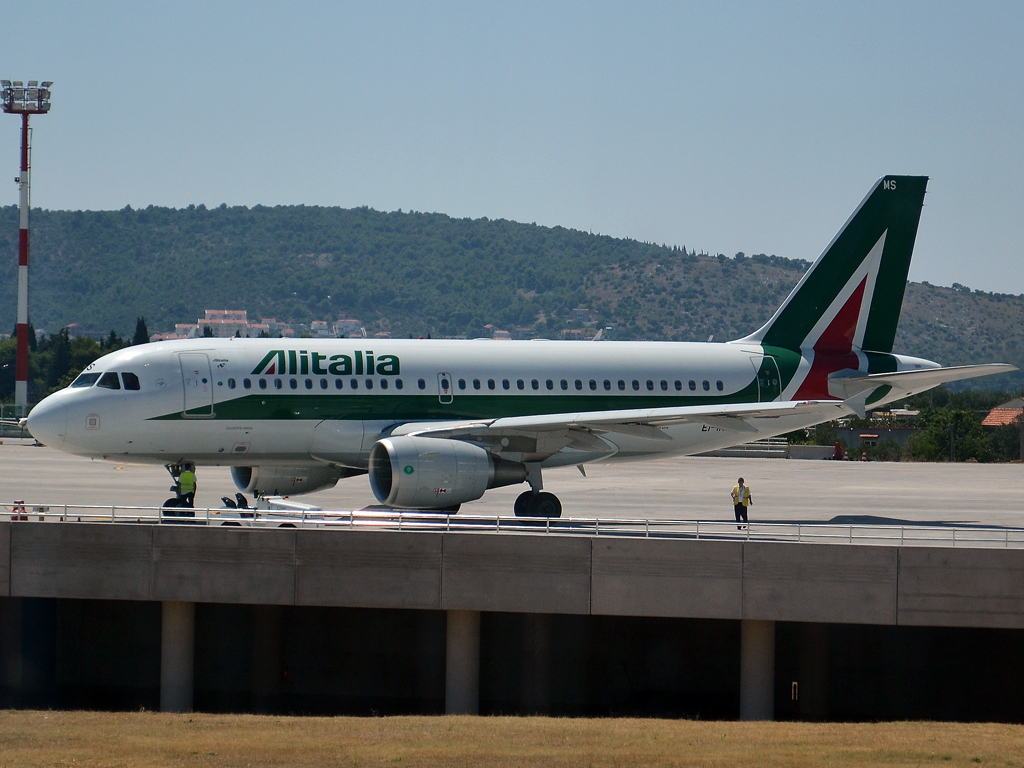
<point x="851" y="296"/>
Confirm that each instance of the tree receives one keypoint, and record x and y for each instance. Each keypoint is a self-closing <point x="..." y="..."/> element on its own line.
<point x="207" y="332"/>
<point x="141" y="332"/>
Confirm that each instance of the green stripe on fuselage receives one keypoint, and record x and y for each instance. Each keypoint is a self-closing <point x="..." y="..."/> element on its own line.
<point x="416" y="407"/>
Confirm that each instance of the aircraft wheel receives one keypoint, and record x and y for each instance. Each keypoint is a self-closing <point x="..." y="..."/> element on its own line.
<point x="547" y="505"/>
<point x="524" y="505"/>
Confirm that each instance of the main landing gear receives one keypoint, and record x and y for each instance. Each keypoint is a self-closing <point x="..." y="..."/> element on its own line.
<point x="536" y="502"/>
<point x="543" y="504"/>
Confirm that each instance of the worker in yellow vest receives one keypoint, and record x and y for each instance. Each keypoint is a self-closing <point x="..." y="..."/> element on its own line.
<point x="187" y="481"/>
<point x="741" y="499"/>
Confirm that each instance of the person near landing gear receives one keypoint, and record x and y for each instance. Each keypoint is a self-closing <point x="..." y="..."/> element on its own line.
<point x="187" y="481"/>
<point x="741" y="499"/>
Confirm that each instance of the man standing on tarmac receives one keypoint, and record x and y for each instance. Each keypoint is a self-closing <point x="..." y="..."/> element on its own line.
<point x="187" y="481"/>
<point x="741" y="499"/>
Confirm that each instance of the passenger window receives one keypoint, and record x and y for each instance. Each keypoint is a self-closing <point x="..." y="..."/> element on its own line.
<point x="622" y="385"/>
<point x="579" y="385"/>
<point x="679" y="385"/>
<point x="263" y="383"/>
<point x="593" y="385"/>
<point x="338" y="383"/>
<point x="636" y="385"/>
<point x="231" y="382"/>
<point x="521" y="384"/>
<point x="720" y="385"/>
<point x="563" y="384"/>
<point x="309" y="383"/>
<point x="293" y="383"/>
<point x="323" y="383"/>
<point x="369" y="383"/>
<point x="505" y="384"/>
<point x="476" y="383"/>
<point x="650" y="385"/>
<point x="462" y="383"/>
<point x="383" y="383"/>
<point x="85" y="380"/>
<point x="247" y="383"/>
<point x="278" y="384"/>
<point x="707" y="385"/>
<point x="109" y="381"/>
<point x="535" y="384"/>
<point x="354" y="384"/>
<point x="607" y="385"/>
<point x="693" y="385"/>
<point x="398" y="384"/>
<point x="490" y="383"/>
<point x="664" y="386"/>
<point x="549" y="384"/>
<point x="422" y="384"/>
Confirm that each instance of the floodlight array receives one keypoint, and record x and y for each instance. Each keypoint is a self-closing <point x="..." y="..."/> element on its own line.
<point x="31" y="99"/>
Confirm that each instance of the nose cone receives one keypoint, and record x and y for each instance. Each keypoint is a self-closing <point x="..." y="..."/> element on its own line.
<point x="48" y="422"/>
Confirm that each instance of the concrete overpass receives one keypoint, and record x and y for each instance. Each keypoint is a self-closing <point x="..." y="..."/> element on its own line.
<point x="122" y="616"/>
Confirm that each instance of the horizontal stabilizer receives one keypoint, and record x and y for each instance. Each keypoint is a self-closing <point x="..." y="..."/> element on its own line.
<point x="847" y="384"/>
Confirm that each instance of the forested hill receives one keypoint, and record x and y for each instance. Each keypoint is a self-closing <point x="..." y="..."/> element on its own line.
<point x="419" y="273"/>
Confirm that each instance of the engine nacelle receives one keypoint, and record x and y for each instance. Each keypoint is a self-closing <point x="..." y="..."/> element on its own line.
<point x="287" y="481"/>
<point x="434" y="473"/>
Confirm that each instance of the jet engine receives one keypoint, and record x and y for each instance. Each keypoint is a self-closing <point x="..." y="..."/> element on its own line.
<point x="287" y="481"/>
<point x="434" y="473"/>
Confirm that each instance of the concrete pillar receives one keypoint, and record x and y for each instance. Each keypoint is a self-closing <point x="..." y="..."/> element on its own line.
<point x="267" y="658"/>
<point x="462" y="664"/>
<point x="536" y="669"/>
<point x="177" y="656"/>
<point x="814" y="650"/>
<point x="757" y="670"/>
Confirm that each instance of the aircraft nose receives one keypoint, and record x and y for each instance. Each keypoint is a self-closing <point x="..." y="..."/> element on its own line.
<point x="48" y="422"/>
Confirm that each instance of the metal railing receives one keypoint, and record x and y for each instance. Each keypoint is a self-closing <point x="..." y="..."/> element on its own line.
<point x="796" y="532"/>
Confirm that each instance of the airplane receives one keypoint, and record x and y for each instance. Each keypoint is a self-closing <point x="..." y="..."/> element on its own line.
<point x="437" y="423"/>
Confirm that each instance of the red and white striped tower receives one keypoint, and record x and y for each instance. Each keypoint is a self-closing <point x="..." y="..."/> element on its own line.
<point x="24" y="100"/>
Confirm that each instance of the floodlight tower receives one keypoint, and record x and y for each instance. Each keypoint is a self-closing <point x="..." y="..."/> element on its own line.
<point x="19" y="99"/>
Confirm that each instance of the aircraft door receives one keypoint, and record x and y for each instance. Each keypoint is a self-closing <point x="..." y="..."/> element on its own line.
<point x="769" y="385"/>
<point x="444" y="388"/>
<point x="198" y="380"/>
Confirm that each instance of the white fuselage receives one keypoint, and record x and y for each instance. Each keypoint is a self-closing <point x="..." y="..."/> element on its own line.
<point x="297" y="402"/>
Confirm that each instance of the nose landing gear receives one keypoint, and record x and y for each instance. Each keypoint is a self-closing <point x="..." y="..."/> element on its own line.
<point x="179" y="505"/>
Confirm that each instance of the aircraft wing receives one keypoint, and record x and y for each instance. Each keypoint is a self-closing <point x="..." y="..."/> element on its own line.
<point x="546" y="434"/>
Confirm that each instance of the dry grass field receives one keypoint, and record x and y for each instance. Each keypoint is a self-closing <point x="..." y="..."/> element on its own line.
<point x="90" y="739"/>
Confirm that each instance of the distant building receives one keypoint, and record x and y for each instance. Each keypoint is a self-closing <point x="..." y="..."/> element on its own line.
<point x="320" y="328"/>
<point x="572" y="333"/>
<point x="74" y="330"/>
<point x="167" y="337"/>
<point x="224" y="323"/>
<point x="1007" y="413"/>
<point x="349" y="328"/>
<point x="582" y="315"/>
<point x="382" y="335"/>
<point x="502" y="335"/>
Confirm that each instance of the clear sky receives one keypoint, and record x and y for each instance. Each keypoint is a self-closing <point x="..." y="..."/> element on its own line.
<point x="719" y="126"/>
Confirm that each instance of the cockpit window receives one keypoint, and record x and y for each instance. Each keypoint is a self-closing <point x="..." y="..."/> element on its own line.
<point x="109" y="380"/>
<point x="85" y="380"/>
<point x="131" y="381"/>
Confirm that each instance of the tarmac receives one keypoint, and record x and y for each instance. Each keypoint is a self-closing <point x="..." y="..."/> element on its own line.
<point x="683" y="488"/>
